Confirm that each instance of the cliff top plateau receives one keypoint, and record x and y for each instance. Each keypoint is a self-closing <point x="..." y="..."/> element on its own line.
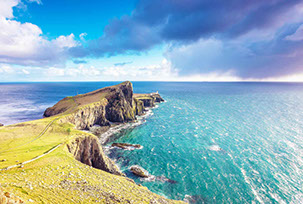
<point x="52" y="161"/>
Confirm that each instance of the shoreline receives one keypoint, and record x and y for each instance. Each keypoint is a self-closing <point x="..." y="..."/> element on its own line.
<point x="77" y="167"/>
<point x="108" y="136"/>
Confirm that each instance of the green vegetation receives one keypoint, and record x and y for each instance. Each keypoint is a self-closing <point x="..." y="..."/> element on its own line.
<point x="54" y="175"/>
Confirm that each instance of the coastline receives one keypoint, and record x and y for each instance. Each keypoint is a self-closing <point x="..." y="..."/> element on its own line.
<point x="79" y="164"/>
<point x="109" y="135"/>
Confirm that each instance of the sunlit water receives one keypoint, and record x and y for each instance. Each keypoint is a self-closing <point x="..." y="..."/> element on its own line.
<point x="221" y="142"/>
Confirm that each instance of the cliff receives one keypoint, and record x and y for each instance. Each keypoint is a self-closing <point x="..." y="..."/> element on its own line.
<point x="110" y="104"/>
<point x="115" y="104"/>
<point x="149" y="100"/>
<point x="87" y="150"/>
<point x="104" y="106"/>
<point x="52" y="160"/>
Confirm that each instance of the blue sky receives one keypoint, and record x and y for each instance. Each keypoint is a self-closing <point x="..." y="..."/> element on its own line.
<point x="63" y="17"/>
<point x="168" y="40"/>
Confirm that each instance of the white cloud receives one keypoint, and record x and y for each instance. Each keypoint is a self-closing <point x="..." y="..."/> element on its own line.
<point x="24" y="43"/>
<point x="6" y="69"/>
<point x="36" y="1"/>
<point x="83" y="71"/>
<point x="55" y="72"/>
<point x="25" y="71"/>
<point x="82" y="36"/>
<point x="65" y="41"/>
<point x="6" y="8"/>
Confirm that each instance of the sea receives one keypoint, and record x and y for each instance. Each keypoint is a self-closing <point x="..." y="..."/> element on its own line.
<point x="216" y="142"/>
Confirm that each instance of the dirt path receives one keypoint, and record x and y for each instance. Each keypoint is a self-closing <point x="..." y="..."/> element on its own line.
<point x="44" y="130"/>
<point x="40" y="135"/>
<point x="31" y="160"/>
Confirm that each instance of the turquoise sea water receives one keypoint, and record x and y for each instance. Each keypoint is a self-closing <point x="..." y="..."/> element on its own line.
<point x="221" y="142"/>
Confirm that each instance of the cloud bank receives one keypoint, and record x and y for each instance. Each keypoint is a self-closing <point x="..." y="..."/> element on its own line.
<point x="248" y="38"/>
<point x="252" y="39"/>
<point x="25" y="44"/>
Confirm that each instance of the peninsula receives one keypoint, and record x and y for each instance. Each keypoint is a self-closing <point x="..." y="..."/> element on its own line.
<point x="52" y="160"/>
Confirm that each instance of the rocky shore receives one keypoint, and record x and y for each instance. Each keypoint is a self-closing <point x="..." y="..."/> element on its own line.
<point x="57" y="158"/>
<point x="105" y="107"/>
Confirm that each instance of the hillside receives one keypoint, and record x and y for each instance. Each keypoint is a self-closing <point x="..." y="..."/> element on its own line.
<point x="52" y="161"/>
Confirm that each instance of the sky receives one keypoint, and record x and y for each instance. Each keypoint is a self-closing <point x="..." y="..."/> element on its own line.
<point x="151" y="40"/>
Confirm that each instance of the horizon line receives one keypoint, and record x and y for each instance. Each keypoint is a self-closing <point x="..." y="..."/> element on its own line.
<point x="236" y="81"/>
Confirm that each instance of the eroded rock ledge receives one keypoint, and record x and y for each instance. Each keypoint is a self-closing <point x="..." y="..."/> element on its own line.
<point x="87" y="150"/>
<point x="100" y="107"/>
<point x="115" y="104"/>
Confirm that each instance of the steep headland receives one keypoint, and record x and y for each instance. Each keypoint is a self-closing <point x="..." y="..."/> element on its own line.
<point x="51" y="159"/>
<point x="100" y="107"/>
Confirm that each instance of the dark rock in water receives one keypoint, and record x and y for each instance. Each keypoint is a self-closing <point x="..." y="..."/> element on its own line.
<point x="127" y="146"/>
<point x="164" y="179"/>
<point x="1" y="125"/>
<point x="139" y="171"/>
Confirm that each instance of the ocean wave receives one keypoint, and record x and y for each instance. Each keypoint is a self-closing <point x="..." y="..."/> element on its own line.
<point x="21" y="111"/>
<point x="247" y="180"/>
<point x="216" y="148"/>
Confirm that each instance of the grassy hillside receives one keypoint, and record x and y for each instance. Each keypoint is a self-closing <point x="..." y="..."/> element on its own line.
<point x="52" y="174"/>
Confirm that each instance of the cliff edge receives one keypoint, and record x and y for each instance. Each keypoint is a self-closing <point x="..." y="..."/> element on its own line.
<point x="51" y="159"/>
<point x="115" y="104"/>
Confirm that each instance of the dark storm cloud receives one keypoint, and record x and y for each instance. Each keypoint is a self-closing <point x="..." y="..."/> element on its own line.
<point x="185" y="22"/>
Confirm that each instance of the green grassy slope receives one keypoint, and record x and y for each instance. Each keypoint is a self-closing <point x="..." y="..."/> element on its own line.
<point x="58" y="177"/>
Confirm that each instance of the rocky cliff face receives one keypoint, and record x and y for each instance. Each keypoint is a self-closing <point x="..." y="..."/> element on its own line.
<point x="149" y="100"/>
<point x="111" y="104"/>
<point x="87" y="150"/>
<point x="120" y="104"/>
<point x="139" y="106"/>
<point x="100" y="107"/>
<point x="89" y="115"/>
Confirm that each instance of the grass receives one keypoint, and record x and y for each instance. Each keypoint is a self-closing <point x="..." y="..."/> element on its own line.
<point x="58" y="177"/>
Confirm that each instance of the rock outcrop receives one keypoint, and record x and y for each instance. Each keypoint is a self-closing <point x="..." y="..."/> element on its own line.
<point x="149" y="100"/>
<point x="139" y="171"/>
<point x="139" y="106"/>
<point x="111" y="104"/>
<point x="87" y="150"/>
<point x="87" y="116"/>
<point x="127" y="146"/>
<point x="100" y="107"/>
<point x="115" y="104"/>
